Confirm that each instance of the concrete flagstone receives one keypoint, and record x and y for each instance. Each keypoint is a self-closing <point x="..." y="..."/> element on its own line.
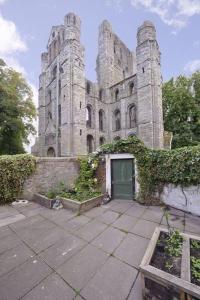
<point x="109" y="239"/>
<point x="113" y="281"/>
<point x="132" y="250"/>
<point x="52" y="288"/>
<point x="93" y="253"/>
<point x="82" y="267"/>
<point x="21" y="280"/>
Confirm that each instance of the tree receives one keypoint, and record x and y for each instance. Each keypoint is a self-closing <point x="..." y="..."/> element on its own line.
<point x="17" y="111"/>
<point x="181" y="108"/>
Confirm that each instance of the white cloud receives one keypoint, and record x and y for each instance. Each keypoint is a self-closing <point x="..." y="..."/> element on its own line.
<point x="175" y="13"/>
<point x="11" y="41"/>
<point x="192" y="66"/>
<point x="2" y="1"/>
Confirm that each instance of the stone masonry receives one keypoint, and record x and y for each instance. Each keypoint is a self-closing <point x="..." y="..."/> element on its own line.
<point x="76" y="115"/>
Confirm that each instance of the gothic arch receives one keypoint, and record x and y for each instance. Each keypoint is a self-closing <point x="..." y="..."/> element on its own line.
<point x="132" y="116"/>
<point x="101" y="120"/>
<point x="117" y="120"/>
<point x="102" y="140"/>
<point x="51" y="152"/>
<point x="116" y="94"/>
<point x="90" y="143"/>
<point x="131" y="88"/>
<point x="89" y="116"/>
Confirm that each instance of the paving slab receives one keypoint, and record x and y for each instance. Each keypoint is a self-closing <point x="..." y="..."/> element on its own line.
<point x="122" y="206"/>
<point x="112" y="282"/>
<point x="136" y="211"/>
<point x="95" y="212"/>
<point x="75" y="223"/>
<point x="58" y="216"/>
<point x="136" y="292"/>
<point x="21" y="280"/>
<point x="28" y="223"/>
<point x="109" y="240"/>
<point x="175" y="221"/>
<point x="132" y="250"/>
<point x="11" y="219"/>
<point x="14" y="257"/>
<point x="91" y="230"/>
<point x="8" y="242"/>
<point x="176" y="212"/>
<point x="144" y="228"/>
<point x="5" y="231"/>
<point x="125" y="223"/>
<point x="63" y="250"/>
<point x="82" y="267"/>
<point x="52" y="288"/>
<point x="108" y="217"/>
<point x="154" y="215"/>
<point x="192" y="225"/>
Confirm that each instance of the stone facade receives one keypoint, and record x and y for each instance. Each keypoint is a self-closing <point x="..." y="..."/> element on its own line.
<point x="77" y="115"/>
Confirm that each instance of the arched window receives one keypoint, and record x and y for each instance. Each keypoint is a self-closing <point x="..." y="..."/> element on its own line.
<point x="100" y="95"/>
<point x="51" y="152"/>
<point x="90" y="143"/>
<point x="131" y="88"/>
<point x="101" y="120"/>
<point x="102" y="141"/>
<point x="89" y="116"/>
<point x="54" y="73"/>
<point x="88" y="88"/>
<point x="117" y="120"/>
<point x="116" y="94"/>
<point x="132" y="116"/>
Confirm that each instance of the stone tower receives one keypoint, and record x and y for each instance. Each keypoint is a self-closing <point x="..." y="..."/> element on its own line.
<point x="149" y="87"/>
<point x="72" y="90"/>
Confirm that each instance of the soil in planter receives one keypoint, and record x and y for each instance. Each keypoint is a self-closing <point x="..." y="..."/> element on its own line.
<point x="156" y="291"/>
<point x="195" y="265"/>
<point x="164" y="262"/>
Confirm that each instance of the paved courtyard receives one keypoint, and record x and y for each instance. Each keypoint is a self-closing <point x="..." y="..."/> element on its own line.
<point x="57" y="255"/>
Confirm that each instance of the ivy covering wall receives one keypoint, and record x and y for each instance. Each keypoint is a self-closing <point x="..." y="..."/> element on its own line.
<point x="157" y="167"/>
<point x="14" y="170"/>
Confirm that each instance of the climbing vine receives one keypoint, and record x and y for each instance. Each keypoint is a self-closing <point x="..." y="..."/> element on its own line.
<point x="14" y="170"/>
<point x="155" y="167"/>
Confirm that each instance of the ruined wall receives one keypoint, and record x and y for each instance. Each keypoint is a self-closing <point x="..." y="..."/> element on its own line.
<point x="49" y="173"/>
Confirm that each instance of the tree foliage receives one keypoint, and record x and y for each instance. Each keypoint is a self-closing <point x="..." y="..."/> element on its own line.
<point x="181" y="107"/>
<point x="17" y="111"/>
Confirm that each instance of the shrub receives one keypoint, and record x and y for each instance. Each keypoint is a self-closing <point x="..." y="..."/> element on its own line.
<point x="14" y="169"/>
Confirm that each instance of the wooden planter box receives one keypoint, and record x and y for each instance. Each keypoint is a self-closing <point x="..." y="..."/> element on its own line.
<point x="68" y="203"/>
<point x="80" y="207"/>
<point x="157" y="284"/>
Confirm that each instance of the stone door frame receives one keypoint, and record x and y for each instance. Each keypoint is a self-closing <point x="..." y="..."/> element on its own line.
<point x="109" y="158"/>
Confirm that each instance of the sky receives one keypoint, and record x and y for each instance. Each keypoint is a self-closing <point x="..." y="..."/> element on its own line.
<point x="25" y="26"/>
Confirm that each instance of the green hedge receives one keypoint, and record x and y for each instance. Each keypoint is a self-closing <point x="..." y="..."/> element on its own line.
<point x="14" y="169"/>
<point x="157" y="167"/>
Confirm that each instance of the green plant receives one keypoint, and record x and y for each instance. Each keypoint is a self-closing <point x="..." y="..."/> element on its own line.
<point x="169" y="265"/>
<point x="14" y="170"/>
<point x="195" y="244"/>
<point x="174" y="244"/>
<point x="195" y="268"/>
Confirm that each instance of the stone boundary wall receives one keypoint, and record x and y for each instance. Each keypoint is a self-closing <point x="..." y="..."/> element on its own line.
<point x="49" y="173"/>
<point x="184" y="198"/>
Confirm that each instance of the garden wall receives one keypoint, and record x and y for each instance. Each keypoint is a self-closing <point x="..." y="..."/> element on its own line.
<point x="186" y="199"/>
<point x="49" y="173"/>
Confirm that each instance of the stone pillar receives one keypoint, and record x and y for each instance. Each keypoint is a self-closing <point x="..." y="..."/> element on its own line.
<point x="149" y="87"/>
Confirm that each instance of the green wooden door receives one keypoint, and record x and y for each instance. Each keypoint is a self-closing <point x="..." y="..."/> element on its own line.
<point x="122" y="176"/>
